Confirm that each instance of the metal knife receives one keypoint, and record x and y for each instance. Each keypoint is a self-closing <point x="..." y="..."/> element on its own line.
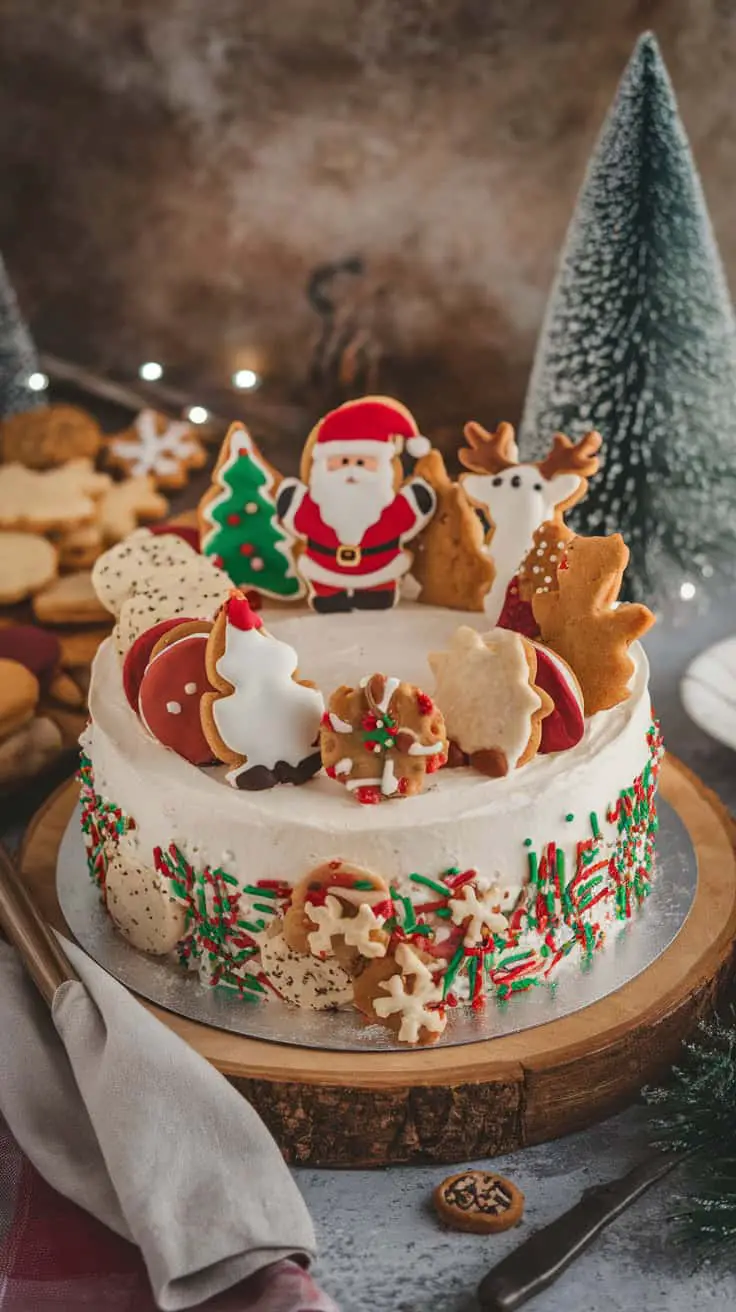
<point x="541" y="1258"/>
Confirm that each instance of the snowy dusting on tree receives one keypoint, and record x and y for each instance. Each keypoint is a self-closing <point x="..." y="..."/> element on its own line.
<point x="639" y="341"/>
<point x="18" y="359"/>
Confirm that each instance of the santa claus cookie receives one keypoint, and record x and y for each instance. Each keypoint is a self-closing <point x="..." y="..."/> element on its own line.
<point x="260" y="720"/>
<point x="170" y="693"/>
<point x="382" y="738"/>
<point x="339" y="908"/>
<point x="351" y="508"/>
<point x="487" y="691"/>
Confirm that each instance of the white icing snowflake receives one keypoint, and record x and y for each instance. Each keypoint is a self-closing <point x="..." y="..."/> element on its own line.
<point x="412" y="1005"/>
<point x="479" y="907"/>
<point x="151" y="452"/>
<point x="356" y="930"/>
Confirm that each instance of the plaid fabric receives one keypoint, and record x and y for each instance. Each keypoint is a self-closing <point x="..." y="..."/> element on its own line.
<point x="55" y="1256"/>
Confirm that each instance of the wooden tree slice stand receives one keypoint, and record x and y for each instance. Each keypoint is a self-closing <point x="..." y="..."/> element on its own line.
<point x="481" y="1099"/>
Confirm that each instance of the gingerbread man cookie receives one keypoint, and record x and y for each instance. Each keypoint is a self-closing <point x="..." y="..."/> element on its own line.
<point x="487" y="691"/>
<point x="382" y="738"/>
<point x="580" y="621"/>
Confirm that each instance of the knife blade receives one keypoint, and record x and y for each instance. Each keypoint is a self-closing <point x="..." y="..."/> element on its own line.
<point x="541" y="1258"/>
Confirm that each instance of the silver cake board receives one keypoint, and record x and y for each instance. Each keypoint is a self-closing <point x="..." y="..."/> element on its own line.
<point x="627" y="953"/>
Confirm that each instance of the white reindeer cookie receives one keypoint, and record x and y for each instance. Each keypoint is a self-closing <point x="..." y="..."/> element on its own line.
<point x="487" y="693"/>
<point x="517" y="499"/>
<point x="260" y="720"/>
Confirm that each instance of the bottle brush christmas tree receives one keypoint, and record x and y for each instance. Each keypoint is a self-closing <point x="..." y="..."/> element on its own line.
<point x="238" y="525"/>
<point x="639" y="341"/>
<point x="18" y="359"/>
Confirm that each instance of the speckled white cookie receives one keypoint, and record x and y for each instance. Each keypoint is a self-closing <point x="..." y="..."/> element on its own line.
<point x="131" y="564"/>
<point x="196" y="592"/>
<point x="140" y="909"/>
<point x="305" y="980"/>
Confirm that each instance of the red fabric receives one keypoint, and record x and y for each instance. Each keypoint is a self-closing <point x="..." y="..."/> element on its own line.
<point x="393" y="522"/>
<point x="367" y="421"/>
<point x="55" y="1257"/>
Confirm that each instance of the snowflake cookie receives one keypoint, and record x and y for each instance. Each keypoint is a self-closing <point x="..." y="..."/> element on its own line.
<point x="403" y="991"/>
<point x="167" y="449"/>
<point x="339" y="909"/>
<point x="382" y="738"/>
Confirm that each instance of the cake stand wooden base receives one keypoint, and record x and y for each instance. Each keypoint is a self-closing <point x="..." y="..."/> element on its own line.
<point x="481" y="1099"/>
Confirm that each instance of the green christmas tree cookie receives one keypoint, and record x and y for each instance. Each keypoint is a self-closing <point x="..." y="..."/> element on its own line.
<point x="237" y="521"/>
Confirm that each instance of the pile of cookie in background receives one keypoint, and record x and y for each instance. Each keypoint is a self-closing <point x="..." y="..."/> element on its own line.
<point x="68" y="491"/>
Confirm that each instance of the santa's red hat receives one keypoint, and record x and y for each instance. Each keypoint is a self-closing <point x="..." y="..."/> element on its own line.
<point x="370" y="426"/>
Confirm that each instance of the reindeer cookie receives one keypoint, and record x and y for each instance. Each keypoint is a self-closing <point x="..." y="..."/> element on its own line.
<point x="519" y="498"/>
<point x="487" y="692"/>
<point x="580" y="621"/>
<point x="382" y="738"/>
<point x="261" y="720"/>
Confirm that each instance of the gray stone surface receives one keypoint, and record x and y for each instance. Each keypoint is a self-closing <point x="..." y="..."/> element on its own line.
<point x="381" y="1248"/>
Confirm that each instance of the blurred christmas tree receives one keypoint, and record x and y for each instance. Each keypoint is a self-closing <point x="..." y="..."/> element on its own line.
<point x="639" y="341"/>
<point x="695" y="1114"/>
<point x="18" y="359"/>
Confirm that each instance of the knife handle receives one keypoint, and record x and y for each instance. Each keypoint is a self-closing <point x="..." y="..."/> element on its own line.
<point x="44" y="960"/>
<point x="541" y="1258"/>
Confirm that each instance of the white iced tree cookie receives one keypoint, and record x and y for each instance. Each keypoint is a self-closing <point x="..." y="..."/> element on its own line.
<point x="261" y="721"/>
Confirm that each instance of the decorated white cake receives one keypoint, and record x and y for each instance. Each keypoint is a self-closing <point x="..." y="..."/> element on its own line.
<point x="307" y="787"/>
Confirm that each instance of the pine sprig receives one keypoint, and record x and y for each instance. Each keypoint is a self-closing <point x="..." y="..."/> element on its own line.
<point x="695" y="1114"/>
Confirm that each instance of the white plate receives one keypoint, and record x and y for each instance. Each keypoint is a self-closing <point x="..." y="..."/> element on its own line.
<point x="708" y="691"/>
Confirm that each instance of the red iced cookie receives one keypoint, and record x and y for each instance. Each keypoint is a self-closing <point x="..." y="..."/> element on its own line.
<point x="139" y="655"/>
<point x="170" y="693"/>
<point x="565" y="726"/>
<point x="189" y="532"/>
<point x="517" y="614"/>
<point x="37" y="649"/>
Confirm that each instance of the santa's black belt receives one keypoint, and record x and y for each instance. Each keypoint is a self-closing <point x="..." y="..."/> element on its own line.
<point x="345" y="554"/>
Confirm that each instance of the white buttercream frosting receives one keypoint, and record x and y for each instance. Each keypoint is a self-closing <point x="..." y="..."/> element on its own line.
<point x="461" y="819"/>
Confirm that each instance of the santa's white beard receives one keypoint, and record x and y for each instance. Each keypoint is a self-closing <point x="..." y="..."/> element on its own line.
<point x="351" y="507"/>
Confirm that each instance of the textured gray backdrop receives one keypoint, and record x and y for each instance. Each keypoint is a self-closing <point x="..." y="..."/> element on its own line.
<point x="172" y="170"/>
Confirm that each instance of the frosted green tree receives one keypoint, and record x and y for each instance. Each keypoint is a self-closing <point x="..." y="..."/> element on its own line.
<point x="639" y="341"/>
<point x="18" y="359"/>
